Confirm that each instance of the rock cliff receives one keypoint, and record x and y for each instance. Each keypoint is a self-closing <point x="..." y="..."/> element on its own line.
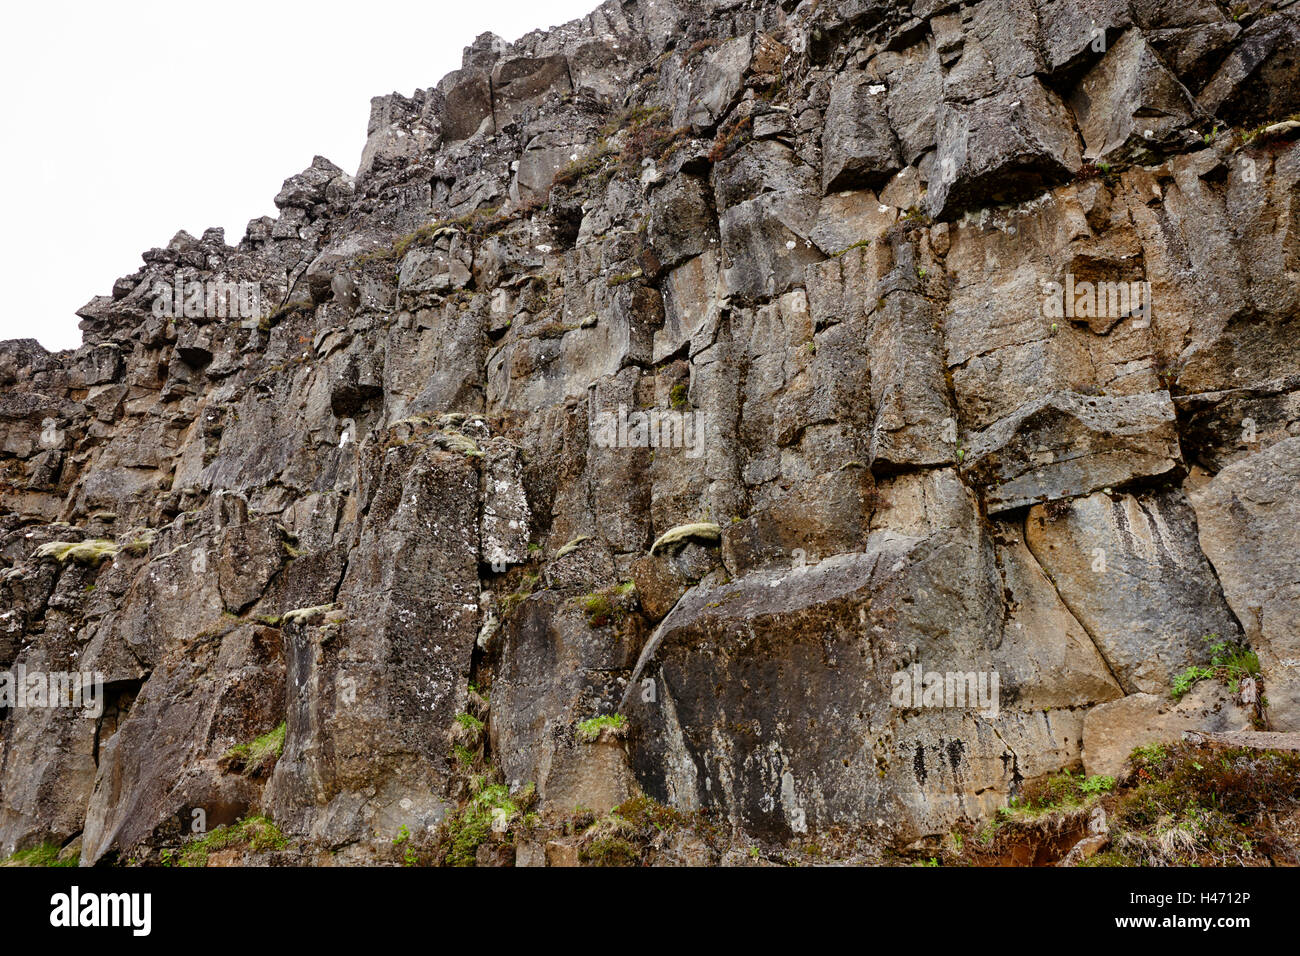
<point x="725" y="369"/>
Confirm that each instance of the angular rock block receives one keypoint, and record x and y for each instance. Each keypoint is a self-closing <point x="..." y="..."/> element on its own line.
<point x="1256" y="81"/>
<point x="400" y="131"/>
<point x="467" y="103"/>
<point x="1112" y="730"/>
<point x="1129" y="105"/>
<point x="1006" y="146"/>
<point x="520" y="82"/>
<point x="858" y="147"/>
<point x="832" y="515"/>
<point x="1065" y="444"/>
<point x="556" y="671"/>
<point x="799" y="665"/>
<point x="681" y="223"/>
<point x="163" y="762"/>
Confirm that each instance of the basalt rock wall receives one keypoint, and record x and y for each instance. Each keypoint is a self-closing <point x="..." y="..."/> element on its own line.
<point x="932" y="337"/>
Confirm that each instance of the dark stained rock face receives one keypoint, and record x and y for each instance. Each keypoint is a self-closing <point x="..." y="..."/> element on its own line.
<point x="829" y="417"/>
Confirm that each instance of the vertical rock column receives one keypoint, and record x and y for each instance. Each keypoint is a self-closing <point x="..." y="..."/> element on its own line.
<point x="376" y="682"/>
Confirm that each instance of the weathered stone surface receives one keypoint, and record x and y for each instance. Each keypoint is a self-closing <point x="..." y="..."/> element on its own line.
<point x="522" y="81"/>
<point x="1006" y="146"/>
<point x="1067" y="444"/>
<point x="915" y="420"/>
<point x="379" y="686"/>
<point x="1129" y="103"/>
<point x="858" y="146"/>
<point x="718" y="73"/>
<point x="681" y="223"/>
<point x="1246" y="518"/>
<point x="400" y="131"/>
<point x="1256" y="80"/>
<point x="1130" y="569"/>
<point x="716" y="657"/>
<point x="308" y="188"/>
<point x="535" y="715"/>
<point x="467" y="103"/>
<point x="832" y="515"/>
<point x="765" y="239"/>
<point x="846" y="218"/>
<point x="416" y="491"/>
<point x="1112" y="730"/>
<point x="163" y="762"/>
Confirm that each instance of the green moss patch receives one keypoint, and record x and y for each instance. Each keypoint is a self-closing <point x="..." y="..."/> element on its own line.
<point x="47" y="854"/>
<point x="257" y="757"/>
<point x="255" y="834"/>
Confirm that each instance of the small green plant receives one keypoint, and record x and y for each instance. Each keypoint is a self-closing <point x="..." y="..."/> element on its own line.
<point x="470" y="723"/>
<point x="609" y="605"/>
<point x="1063" y="792"/>
<point x="642" y="811"/>
<point x="258" y="756"/>
<point x="467" y="830"/>
<point x="1230" y="662"/>
<point x="1190" y="678"/>
<point x="519" y="595"/>
<point x="609" y="851"/>
<point x="1099" y="783"/>
<point x="589" y="730"/>
<point x="677" y="396"/>
<point x="1234" y="659"/>
<point x="1150" y="754"/>
<point x="403" y="834"/>
<point x="598" y="607"/>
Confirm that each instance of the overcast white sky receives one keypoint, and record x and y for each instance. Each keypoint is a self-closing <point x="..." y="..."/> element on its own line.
<point x="127" y="121"/>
